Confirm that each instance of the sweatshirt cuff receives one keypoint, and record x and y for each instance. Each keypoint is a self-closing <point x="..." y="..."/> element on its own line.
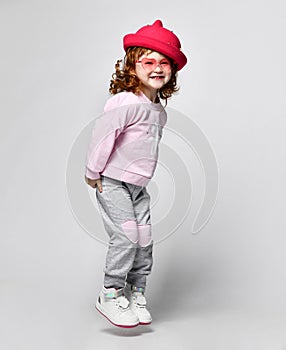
<point x="93" y="175"/>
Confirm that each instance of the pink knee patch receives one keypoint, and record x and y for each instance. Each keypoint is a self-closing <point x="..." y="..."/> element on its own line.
<point x="145" y="236"/>
<point x="130" y="230"/>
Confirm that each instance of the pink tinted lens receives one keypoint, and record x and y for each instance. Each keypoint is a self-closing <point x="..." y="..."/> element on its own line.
<point x="150" y="64"/>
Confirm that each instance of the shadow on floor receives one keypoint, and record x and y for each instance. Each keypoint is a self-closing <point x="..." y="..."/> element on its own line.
<point x="127" y="332"/>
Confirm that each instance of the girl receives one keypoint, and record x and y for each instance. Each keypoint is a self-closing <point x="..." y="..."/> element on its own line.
<point x="121" y="160"/>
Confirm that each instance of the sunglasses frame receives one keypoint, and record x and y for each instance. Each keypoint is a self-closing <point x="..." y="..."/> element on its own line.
<point x="155" y="64"/>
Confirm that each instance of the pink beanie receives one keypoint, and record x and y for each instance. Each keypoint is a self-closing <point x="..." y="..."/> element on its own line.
<point x="157" y="38"/>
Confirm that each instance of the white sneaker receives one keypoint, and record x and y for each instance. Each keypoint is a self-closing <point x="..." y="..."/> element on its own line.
<point x="115" y="307"/>
<point x="138" y="304"/>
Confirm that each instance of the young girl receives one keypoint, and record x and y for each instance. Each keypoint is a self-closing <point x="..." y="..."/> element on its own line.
<point x="121" y="160"/>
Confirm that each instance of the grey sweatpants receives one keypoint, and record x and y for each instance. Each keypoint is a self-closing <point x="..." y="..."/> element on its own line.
<point x="125" y="211"/>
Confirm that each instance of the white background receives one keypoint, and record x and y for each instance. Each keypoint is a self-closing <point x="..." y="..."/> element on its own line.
<point x="221" y="289"/>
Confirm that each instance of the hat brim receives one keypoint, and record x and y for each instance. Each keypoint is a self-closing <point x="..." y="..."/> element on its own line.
<point x="162" y="47"/>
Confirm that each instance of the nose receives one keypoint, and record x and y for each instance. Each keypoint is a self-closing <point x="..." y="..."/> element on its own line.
<point x="158" y="68"/>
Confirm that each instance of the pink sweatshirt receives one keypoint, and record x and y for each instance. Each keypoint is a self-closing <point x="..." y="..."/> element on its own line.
<point x="125" y="139"/>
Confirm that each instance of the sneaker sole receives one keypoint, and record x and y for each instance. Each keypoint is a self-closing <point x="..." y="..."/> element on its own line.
<point x="145" y="323"/>
<point x="100" y="310"/>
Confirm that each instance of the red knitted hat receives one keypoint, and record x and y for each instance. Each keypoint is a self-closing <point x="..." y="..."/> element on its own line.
<point x="157" y="38"/>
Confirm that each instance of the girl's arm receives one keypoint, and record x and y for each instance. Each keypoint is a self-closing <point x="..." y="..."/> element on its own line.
<point x="101" y="146"/>
<point x="107" y="129"/>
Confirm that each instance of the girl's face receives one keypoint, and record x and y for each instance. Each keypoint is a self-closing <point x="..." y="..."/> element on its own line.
<point x="154" y="71"/>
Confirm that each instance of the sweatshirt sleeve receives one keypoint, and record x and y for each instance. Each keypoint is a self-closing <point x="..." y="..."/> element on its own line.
<point x="105" y="132"/>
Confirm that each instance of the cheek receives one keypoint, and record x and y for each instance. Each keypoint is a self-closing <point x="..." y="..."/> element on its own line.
<point x="168" y="77"/>
<point x="140" y="73"/>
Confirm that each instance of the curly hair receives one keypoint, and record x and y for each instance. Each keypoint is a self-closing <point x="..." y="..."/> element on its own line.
<point x="125" y="79"/>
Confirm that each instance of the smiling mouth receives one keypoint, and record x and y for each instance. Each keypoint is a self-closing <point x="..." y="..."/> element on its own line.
<point x="159" y="77"/>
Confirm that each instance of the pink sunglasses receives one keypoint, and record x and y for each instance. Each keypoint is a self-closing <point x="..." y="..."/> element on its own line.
<point x="150" y="64"/>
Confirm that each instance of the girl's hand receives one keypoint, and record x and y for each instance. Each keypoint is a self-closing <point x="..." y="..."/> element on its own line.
<point x="94" y="183"/>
